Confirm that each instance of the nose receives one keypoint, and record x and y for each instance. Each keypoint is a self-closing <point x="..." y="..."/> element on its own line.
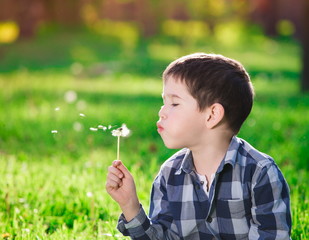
<point x="162" y="113"/>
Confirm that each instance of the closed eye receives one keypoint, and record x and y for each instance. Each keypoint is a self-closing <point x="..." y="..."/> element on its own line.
<point x="175" y="104"/>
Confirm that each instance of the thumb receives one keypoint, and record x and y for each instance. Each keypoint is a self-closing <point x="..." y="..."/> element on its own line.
<point x="118" y="164"/>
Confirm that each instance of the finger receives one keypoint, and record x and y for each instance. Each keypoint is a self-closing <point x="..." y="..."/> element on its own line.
<point x="110" y="184"/>
<point x="116" y="163"/>
<point x="122" y="168"/>
<point x="115" y="171"/>
<point x="113" y="177"/>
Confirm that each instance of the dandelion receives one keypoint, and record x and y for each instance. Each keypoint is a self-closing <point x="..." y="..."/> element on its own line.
<point x="54" y="131"/>
<point x="123" y="131"/>
<point x="70" y="96"/>
<point x="77" y="126"/>
<point x="5" y="235"/>
<point x="93" y="129"/>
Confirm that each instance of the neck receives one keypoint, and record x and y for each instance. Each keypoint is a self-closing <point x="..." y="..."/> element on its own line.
<point x="208" y="155"/>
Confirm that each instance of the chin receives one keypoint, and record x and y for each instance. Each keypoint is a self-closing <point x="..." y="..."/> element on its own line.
<point x="173" y="145"/>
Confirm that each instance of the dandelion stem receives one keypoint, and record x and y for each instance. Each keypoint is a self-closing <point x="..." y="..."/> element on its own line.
<point x="118" y="148"/>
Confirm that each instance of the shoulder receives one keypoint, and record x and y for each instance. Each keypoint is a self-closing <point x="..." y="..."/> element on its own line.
<point x="248" y="155"/>
<point x="258" y="163"/>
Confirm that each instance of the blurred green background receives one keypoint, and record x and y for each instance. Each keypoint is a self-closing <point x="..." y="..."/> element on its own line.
<point x="68" y="66"/>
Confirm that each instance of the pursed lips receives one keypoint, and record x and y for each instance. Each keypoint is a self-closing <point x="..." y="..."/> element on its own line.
<point x="160" y="128"/>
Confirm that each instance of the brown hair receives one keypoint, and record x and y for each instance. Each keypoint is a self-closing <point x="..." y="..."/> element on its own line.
<point x="212" y="78"/>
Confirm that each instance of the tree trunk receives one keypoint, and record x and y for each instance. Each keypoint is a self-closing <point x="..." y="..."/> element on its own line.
<point x="305" y="42"/>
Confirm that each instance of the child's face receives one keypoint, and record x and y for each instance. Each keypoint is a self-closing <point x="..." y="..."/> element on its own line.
<point x="180" y="124"/>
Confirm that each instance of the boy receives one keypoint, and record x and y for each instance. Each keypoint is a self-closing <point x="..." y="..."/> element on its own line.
<point x="218" y="186"/>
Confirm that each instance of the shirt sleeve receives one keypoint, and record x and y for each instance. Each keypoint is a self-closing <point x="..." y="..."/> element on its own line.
<point x="157" y="225"/>
<point x="271" y="217"/>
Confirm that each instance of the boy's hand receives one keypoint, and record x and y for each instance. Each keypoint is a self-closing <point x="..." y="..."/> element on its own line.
<point x="120" y="185"/>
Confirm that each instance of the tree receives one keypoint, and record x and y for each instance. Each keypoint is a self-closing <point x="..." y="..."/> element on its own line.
<point x="305" y="43"/>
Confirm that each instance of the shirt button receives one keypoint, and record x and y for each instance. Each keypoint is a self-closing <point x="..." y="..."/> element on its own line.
<point x="209" y="219"/>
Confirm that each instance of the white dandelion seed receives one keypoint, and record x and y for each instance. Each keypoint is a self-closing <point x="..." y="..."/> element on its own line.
<point x="109" y="126"/>
<point x="107" y="234"/>
<point x="102" y="127"/>
<point x="54" y="131"/>
<point x="82" y="115"/>
<point x="93" y="129"/>
<point x="89" y="194"/>
<point x="57" y="108"/>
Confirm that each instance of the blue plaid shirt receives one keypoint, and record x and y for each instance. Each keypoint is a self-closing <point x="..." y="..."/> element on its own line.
<point x="248" y="199"/>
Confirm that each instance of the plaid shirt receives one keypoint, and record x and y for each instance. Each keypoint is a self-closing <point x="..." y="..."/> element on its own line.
<point x="248" y="199"/>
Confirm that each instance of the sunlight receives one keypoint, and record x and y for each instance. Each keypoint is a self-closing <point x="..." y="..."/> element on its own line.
<point x="9" y="32"/>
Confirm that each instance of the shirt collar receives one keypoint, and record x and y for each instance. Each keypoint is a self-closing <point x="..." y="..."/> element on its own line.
<point x="187" y="163"/>
<point x="230" y="158"/>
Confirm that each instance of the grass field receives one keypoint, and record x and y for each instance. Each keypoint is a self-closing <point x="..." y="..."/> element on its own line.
<point x="52" y="184"/>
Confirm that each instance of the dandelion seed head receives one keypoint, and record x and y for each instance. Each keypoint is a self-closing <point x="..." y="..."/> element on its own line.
<point x="54" y="131"/>
<point x="70" y="96"/>
<point x="77" y="126"/>
<point x="123" y="131"/>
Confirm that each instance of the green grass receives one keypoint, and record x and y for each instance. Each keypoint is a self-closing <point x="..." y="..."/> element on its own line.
<point x="52" y="185"/>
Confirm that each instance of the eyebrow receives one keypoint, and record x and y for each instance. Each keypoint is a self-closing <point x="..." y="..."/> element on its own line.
<point x="170" y="96"/>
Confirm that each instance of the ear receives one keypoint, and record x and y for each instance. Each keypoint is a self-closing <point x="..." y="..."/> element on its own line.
<point x="214" y="115"/>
